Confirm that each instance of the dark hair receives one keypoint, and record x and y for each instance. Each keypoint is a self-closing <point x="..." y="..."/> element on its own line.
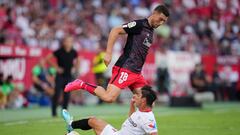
<point x="162" y="9"/>
<point x="149" y="94"/>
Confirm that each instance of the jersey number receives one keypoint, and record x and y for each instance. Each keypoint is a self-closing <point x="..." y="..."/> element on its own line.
<point x="123" y="77"/>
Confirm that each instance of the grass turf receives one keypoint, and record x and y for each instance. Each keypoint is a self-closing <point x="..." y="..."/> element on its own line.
<point x="212" y="119"/>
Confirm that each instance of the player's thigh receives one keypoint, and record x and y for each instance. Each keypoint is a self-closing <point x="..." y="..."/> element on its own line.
<point x="113" y="91"/>
<point x="97" y="124"/>
<point x="109" y="130"/>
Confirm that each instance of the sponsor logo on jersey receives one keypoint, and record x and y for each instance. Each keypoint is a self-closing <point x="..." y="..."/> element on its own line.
<point x="146" y="42"/>
<point x="114" y="130"/>
<point x="132" y="122"/>
<point x="152" y="125"/>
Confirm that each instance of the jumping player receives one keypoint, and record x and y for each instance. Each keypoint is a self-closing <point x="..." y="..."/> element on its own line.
<point x="127" y="70"/>
<point x="139" y="122"/>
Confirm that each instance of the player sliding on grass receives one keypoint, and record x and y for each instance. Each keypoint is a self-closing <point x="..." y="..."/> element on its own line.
<point x="127" y="70"/>
<point x="140" y="121"/>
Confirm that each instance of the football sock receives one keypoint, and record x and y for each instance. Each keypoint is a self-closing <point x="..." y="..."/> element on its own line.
<point x="81" y="124"/>
<point x="89" y="87"/>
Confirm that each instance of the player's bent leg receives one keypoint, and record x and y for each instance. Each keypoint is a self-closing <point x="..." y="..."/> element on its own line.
<point x="79" y="84"/>
<point x="110" y="95"/>
<point x="91" y="123"/>
<point x="97" y="125"/>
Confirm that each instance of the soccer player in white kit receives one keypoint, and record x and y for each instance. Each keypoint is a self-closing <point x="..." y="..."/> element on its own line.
<point x="141" y="120"/>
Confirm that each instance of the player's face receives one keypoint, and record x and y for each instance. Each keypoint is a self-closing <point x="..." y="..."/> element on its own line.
<point x="68" y="41"/>
<point x="41" y="63"/>
<point x="138" y="99"/>
<point x="158" y="19"/>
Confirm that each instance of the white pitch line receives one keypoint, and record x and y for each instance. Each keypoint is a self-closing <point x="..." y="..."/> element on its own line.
<point x="219" y="111"/>
<point x="26" y="122"/>
<point x="48" y="120"/>
<point x="15" y="123"/>
<point x="59" y="120"/>
<point x="188" y="127"/>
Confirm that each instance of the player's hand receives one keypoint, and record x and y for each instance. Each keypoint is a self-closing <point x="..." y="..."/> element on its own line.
<point x="60" y="70"/>
<point x="107" y="58"/>
<point x="132" y="102"/>
<point x="74" y="71"/>
<point x="44" y="85"/>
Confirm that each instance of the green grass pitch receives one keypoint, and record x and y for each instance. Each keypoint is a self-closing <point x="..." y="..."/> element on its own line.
<point x="212" y="119"/>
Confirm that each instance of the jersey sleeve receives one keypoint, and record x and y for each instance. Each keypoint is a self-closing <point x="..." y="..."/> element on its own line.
<point x="75" y="54"/>
<point x="36" y="70"/>
<point x="56" y="53"/>
<point x="133" y="27"/>
<point x="150" y="126"/>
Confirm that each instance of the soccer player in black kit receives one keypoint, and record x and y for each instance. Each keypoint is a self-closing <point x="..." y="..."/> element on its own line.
<point x="127" y="70"/>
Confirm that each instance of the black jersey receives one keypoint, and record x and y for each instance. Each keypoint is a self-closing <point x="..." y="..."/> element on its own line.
<point x="65" y="60"/>
<point x="140" y="37"/>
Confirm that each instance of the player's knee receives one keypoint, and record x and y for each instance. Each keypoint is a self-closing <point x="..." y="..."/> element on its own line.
<point x="92" y="120"/>
<point x="111" y="94"/>
<point x="109" y="99"/>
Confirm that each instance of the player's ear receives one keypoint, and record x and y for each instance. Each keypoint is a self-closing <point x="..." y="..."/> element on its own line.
<point x="153" y="104"/>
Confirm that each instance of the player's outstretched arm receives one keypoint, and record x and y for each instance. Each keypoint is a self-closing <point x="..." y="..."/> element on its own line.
<point x="154" y="133"/>
<point x="76" y="66"/>
<point x="113" y="35"/>
<point x="53" y="64"/>
<point x="132" y="107"/>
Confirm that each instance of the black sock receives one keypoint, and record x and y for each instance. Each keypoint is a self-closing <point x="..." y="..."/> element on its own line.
<point x="81" y="124"/>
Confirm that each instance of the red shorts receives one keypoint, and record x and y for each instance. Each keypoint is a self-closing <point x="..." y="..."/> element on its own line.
<point x="123" y="78"/>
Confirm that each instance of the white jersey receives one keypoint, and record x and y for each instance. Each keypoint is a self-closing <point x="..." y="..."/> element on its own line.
<point x="139" y="123"/>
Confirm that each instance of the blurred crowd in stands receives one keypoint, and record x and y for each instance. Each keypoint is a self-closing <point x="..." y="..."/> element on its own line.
<point x="201" y="26"/>
<point x="11" y="95"/>
<point x="216" y="23"/>
<point x="220" y="86"/>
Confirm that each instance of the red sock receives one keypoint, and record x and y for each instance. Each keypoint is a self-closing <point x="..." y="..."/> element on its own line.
<point x="89" y="87"/>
